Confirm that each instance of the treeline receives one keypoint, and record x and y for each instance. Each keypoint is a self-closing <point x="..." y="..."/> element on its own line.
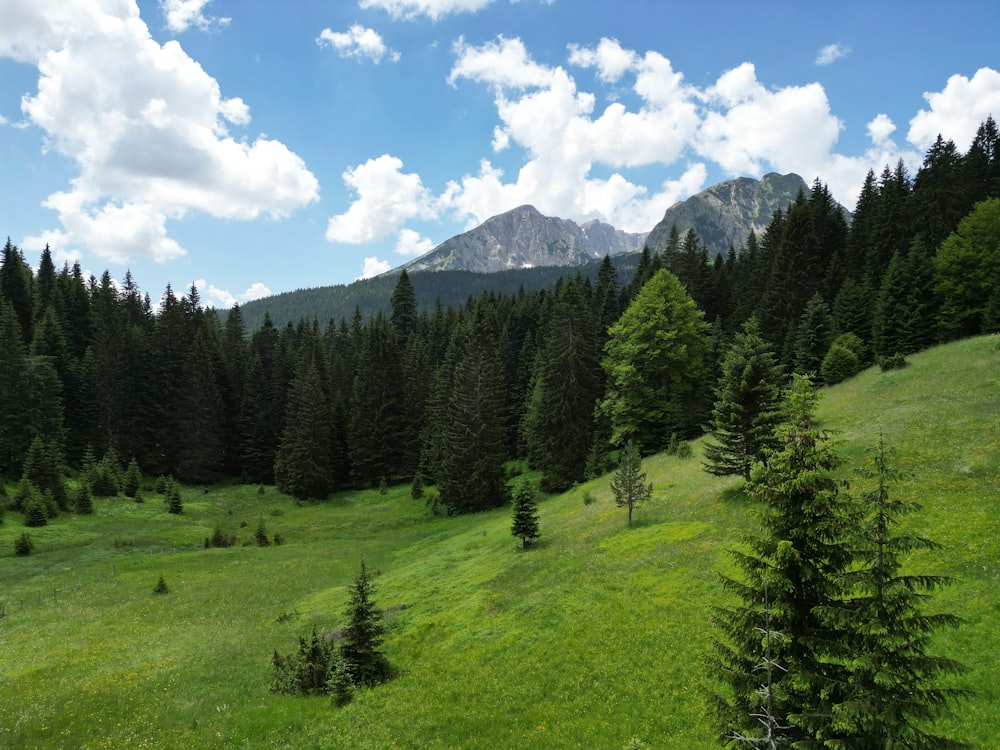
<point x="449" y="394"/>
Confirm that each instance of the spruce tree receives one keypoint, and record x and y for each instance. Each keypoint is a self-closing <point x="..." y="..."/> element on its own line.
<point x="629" y="481"/>
<point x="84" y="501"/>
<point x="362" y="637"/>
<point x="469" y="443"/>
<point x="894" y="693"/>
<point x="302" y="467"/>
<point x="813" y="337"/>
<point x="793" y="568"/>
<point x="563" y="394"/>
<point x="748" y="405"/>
<point x="524" y="525"/>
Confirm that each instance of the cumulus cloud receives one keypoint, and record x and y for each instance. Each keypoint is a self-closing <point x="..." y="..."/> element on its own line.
<point x="387" y="197"/>
<point x="831" y="53"/>
<point x="357" y="41"/>
<point x="433" y="9"/>
<point x="750" y="126"/>
<point x="411" y="243"/>
<point x="221" y="298"/>
<point x="956" y="112"/>
<point x="181" y="15"/>
<point x="147" y="128"/>
<point x="609" y="57"/>
<point x="373" y="267"/>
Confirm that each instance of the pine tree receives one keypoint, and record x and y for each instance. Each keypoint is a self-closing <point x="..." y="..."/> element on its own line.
<point x="524" y="525"/>
<point x="893" y="690"/>
<point x="131" y="479"/>
<point x="748" y="405"/>
<point x="629" y="481"/>
<point x="793" y="568"/>
<point x="260" y="535"/>
<point x="362" y="637"/>
<point x="404" y="308"/>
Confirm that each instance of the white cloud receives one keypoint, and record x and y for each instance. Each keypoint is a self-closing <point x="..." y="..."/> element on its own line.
<point x="749" y="127"/>
<point x="357" y="41"/>
<point x="433" y="9"/>
<point x="183" y="14"/>
<point x="610" y="59"/>
<point x="373" y="267"/>
<point x="147" y="128"/>
<point x="220" y="298"/>
<point x="956" y="112"/>
<point x="881" y="128"/>
<point x="831" y="53"/>
<point x="504" y="63"/>
<point x="411" y="243"/>
<point x="257" y="290"/>
<point x="386" y="199"/>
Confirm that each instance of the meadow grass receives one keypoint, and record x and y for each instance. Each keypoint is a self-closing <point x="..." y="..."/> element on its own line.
<point x="595" y="635"/>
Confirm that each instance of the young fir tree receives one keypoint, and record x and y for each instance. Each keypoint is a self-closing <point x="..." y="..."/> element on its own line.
<point x="362" y="637"/>
<point x="793" y="567"/>
<point x="629" y="481"/>
<point x="84" y="501"/>
<point x="748" y="405"/>
<point x="175" y="504"/>
<point x="893" y="691"/>
<point x="525" y="515"/>
<point x="131" y="479"/>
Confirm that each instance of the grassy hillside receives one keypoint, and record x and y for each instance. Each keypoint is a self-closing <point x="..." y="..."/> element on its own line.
<point x="593" y="637"/>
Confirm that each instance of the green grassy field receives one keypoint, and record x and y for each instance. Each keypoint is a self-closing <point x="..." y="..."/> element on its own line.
<point x="595" y="636"/>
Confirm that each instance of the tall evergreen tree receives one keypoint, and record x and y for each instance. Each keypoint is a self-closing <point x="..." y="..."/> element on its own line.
<point x="302" y="466"/>
<point x="16" y="282"/>
<point x="893" y="691"/>
<point x="377" y="407"/>
<point x="13" y="385"/>
<point x="813" y="336"/>
<point x="748" y="406"/>
<point x="404" y="308"/>
<point x="200" y="451"/>
<point x="792" y="568"/>
<point x="559" y="416"/>
<point x="470" y="444"/>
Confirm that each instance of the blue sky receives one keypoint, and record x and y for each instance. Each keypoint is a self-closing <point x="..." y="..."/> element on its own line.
<point x="256" y="146"/>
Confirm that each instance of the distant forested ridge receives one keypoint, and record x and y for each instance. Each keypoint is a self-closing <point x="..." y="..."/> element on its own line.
<point x="450" y="288"/>
<point x="451" y="390"/>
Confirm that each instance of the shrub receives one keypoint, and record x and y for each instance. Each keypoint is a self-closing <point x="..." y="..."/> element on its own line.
<point x="220" y="539"/>
<point x="23" y="546"/>
<point x="161" y="485"/>
<point x="161" y="586"/>
<point x="417" y="489"/>
<point x="588" y="499"/>
<point x="684" y="450"/>
<point x="305" y="671"/>
<point x="278" y="538"/>
<point x="839" y="364"/>
<point x="893" y="362"/>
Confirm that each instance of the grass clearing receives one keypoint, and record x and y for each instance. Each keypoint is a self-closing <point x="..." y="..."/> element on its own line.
<point x="594" y="636"/>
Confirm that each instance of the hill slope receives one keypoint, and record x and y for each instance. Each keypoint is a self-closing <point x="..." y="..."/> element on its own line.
<point x="593" y="637"/>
